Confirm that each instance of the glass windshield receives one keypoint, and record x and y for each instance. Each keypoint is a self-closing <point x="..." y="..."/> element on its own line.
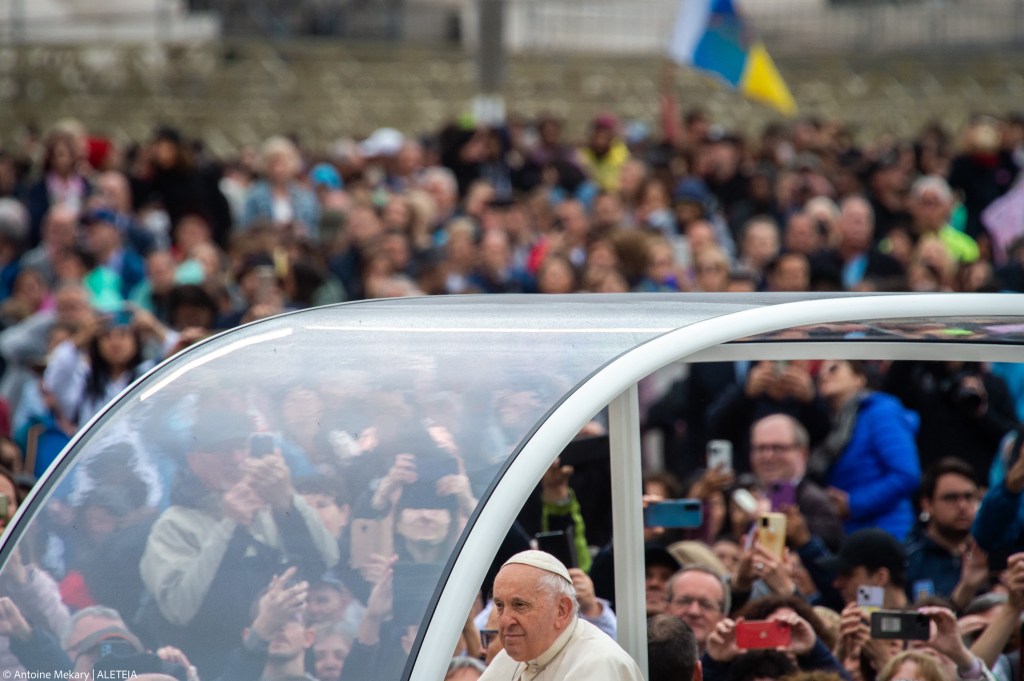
<point x="309" y="473"/>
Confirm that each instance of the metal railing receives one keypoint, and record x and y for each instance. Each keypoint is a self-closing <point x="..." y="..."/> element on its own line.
<point x="788" y="27"/>
<point x="354" y="19"/>
<point x="792" y="27"/>
<point x="881" y="26"/>
<point x="23" y="22"/>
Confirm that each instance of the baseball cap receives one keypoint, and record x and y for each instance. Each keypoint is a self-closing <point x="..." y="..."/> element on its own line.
<point x="605" y="121"/>
<point x="326" y="175"/>
<point x="871" y="548"/>
<point x="692" y="189"/>
<point x="166" y="133"/>
<point x="382" y="142"/>
<point x="655" y="554"/>
<point x="101" y="216"/>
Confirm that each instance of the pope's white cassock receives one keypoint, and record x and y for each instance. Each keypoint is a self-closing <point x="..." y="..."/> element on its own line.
<point x="580" y="653"/>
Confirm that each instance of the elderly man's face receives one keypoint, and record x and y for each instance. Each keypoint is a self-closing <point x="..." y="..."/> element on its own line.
<point x="529" y="618"/>
<point x="775" y="455"/>
<point x="697" y="598"/>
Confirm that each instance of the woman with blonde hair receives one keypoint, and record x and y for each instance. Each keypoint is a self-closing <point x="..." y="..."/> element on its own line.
<point x="912" y="665"/>
<point x="278" y="197"/>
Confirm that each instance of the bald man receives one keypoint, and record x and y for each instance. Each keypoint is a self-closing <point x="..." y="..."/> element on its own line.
<point x="543" y="637"/>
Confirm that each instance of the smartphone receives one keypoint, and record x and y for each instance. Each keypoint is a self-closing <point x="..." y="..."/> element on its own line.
<point x="261" y="445"/>
<point x="675" y="513"/>
<point x="559" y="544"/>
<point x="266" y="282"/>
<point x="897" y="624"/>
<point x="870" y="598"/>
<point x="433" y="468"/>
<point x="780" y="366"/>
<point x="366" y="538"/>
<point x="124" y="317"/>
<point x="771" y="533"/>
<point x="782" y="495"/>
<point x="923" y="588"/>
<point x="719" y="454"/>
<point x="745" y="500"/>
<point x="762" y="634"/>
<point x="5" y="506"/>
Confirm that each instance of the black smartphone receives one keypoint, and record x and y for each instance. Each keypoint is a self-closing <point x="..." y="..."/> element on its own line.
<point x="900" y="625"/>
<point x="261" y="445"/>
<point x="559" y="544"/>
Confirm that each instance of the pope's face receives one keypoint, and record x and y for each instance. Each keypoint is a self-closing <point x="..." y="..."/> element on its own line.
<point x="529" y="618"/>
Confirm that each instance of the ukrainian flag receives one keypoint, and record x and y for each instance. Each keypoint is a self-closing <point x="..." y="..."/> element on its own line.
<point x="711" y="36"/>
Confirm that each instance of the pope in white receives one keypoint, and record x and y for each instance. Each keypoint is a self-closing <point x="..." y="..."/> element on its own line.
<point x="543" y="637"/>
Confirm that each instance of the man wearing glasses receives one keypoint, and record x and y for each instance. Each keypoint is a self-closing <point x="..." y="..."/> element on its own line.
<point x="779" y="448"/>
<point x="942" y="557"/>
<point x="700" y="598"/>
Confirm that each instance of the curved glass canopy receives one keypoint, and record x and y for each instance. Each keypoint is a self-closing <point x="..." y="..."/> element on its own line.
<point x="379" y="451"/>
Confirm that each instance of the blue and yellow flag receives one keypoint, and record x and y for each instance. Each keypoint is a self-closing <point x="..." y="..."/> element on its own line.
<point x="711" y="36"/>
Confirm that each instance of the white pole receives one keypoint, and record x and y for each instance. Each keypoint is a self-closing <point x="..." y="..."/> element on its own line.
<point x="627" y="524"/>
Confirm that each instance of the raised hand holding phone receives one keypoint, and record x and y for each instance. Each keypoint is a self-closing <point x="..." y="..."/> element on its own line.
<point x="771" y="533"/>
<point x="900" y="625"/>
<point x="684" y="513"/>
<point x="782" y="496"/>
<point x="721" y="644"/>
<point x="802" y="636"/>
<point x="719" y="455"/>
<point x="762" y="634"/>
<point x="870" y="598"/>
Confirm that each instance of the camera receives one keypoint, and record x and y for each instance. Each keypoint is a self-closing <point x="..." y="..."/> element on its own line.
<point x="120" y="659"/>
<point x="962" y="394"/>
<point x="902" y="626"/>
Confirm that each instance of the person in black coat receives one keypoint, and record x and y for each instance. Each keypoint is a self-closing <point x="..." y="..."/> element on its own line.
<point x="965" y="410"/>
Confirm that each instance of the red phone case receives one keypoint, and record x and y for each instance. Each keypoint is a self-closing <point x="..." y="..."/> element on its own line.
<point x="761" y="634"/>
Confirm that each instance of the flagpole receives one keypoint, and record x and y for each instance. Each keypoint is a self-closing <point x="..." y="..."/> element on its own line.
<point x="489" y="103"/>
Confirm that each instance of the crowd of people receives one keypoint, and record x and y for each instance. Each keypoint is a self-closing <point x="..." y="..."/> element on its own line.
<point x="285" y="557"/>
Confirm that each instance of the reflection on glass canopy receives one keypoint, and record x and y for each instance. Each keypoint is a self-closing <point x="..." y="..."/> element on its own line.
<point x="1001" y="330"/>
<point x="317" y="466"/>
<point x="312" y="472"/>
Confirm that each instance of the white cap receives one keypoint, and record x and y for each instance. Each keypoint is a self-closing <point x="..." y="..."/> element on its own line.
<point x="541" y="560"/>
<point x="382" y="142"/>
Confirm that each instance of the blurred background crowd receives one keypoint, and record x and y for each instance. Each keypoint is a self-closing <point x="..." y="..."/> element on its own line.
<point x="116" y="253"/>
